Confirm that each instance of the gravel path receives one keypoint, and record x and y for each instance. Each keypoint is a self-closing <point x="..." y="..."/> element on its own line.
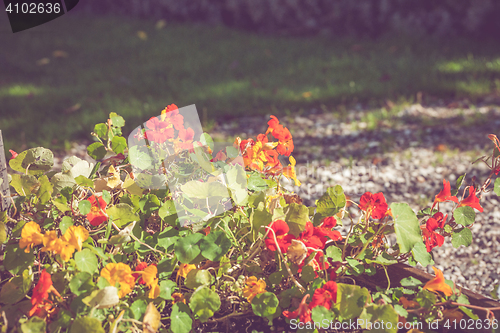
<point x="405" y="154"/>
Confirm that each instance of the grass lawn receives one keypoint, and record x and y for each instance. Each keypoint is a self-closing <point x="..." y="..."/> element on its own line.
<point x="47" y="100"/>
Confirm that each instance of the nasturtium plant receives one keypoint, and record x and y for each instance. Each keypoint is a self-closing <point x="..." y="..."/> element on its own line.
<point x="163" y="232"/>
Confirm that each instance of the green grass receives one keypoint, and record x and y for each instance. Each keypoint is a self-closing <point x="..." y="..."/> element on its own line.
<point x="226" y="73"/>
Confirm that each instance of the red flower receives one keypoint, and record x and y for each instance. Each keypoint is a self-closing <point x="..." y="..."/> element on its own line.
<point x="375" y="203"/>
<point x="312" y="237"/>
<point x="14" y="154"/>
<point x="158" y="131"/>
<point x="280" y="229"/>
<point x="471" y="200"/>
<point x="325" y="229"/>
<point x="97" y="214"/>
<point x="138" y="276"/>
<point x="303" y="311"/>
<point x="39" y="300"/>
<point x="432" y="238"/>
<point x="445" y="194"/>
<point x="325" y="296"/>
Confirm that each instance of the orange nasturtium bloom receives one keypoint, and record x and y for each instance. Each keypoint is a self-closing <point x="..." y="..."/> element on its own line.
<point x="184" y="269"/>
<point x="445" y="194"/>
<point x="253" y="287"/>
<point x="471" y="200"/>
<point x="289" y="171"/>
<point x="30" y="236"/>
<point x="120" y="273"/>
<point x="58" y="246"/>
<point x="96" y="216"/>
<point x="149" y="277"/>
<point x="39" y="300"/>
<point x="438" y="284"/>
<point x="75" y="236"/>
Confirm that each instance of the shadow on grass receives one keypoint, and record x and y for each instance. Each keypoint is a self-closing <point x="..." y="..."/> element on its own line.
<point x="56" y="82"/>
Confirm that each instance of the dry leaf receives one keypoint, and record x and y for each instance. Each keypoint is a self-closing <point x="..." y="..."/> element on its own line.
<point x="114" y="180"/>
<point x="296" y="252"/>
<point x="160" y="24"/>
<point x="151" y="321"/>
<point x="142" y="35"/>
<point x="43" y="61"/>
<point x="59" y="54"/>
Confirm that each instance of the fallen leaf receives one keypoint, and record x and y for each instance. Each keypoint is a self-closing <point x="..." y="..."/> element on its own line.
<point x="73" y="108"/>
<point x="142" y="35"/>
<point x="160" y="24"/>
<point x="151" y="321"/>
<point x="296" y="252"/>
<point x="43" y="61"/>
<point x="59" y="54"/>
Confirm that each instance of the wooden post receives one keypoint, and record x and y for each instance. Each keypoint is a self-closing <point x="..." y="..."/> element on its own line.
<point x="4" y="186"/>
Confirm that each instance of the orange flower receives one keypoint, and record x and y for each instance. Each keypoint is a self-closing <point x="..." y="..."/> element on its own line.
<point x="289" y="171"/>
<point x="149" y="277"/>
<point x="57" y="245"/>
<point x="184" y="269"/>
<point x="119" y="273"/>
<point x="178" y="297"/>
<point x="471" y="200"/>
<point x="253" y="287"/>
<point x="75" y="236"/>
<point x="445" y="194"/>
<point x="325" y="296"/>
<point x="438" y="284"/>
<point x="30" y="236"/>
<point x="39" y="300"/>
<point x="140" y="267"/>
<point x="97" y="214"/>
<point x="303" y="311"/>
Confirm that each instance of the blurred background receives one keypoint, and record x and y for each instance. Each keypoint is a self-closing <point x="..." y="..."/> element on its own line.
<point x="242" y="57"/>
<point x="379" y="95"/>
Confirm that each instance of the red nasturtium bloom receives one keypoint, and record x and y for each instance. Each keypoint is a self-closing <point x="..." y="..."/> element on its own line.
<point x="471" y="200"/>
<point x="97" y="215"/>
<point x="374" y="203"/>
<point x="303" y="311"/>
<point x="284" y="239"/>
<point x="325" y="296"/>
<point x="432" y="238"/>
<point x="445" y="194"/>
<point x="138" y="276"/>
<point x="325" y="229"/>
<point x="438" y="283"/>
<point x="39" y="300"/>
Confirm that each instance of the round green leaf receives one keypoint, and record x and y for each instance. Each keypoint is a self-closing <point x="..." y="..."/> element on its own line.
<point x="96" y="150"/>
<point x="215" y="245"/>
<point x="265" y="304"/>
<point x="101" y="130"/>
<point x="334" y="252"/>
<point x="167" y="288"/>
<point x="461" y="237"/>
<point x="180" y="318"/>
<point x="65" y="223"/>
<point x="187" y="248"/>
<point x="464" y="215"/>
<point x="14" y="290"/>
<point x="122" y="214"/>
<point x="204" y="303"/>
<point x="140" y="157"/>
<point x="138" y="308"/>
<point x="86" y="325"/>
<point x="320" y="313"/>
<point x="34" y="325"/>
<point x="81" y="283"/>
<point x="86" y="261"/>
<point x="198" y="277"/>
<point x="406" y="226"/>
<point x="119" y="144"/>
<point x="84" y="206"/>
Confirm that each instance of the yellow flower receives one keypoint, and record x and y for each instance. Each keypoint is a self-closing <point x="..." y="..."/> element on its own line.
<point x="30" y="236"/>
<point x="149" y="276"/>
<point x="120" y="273"/>
<point x="253" y="287"/>
<point x="57" y="245"/>
<point x="114" y="180"/>
<point x="178" y="297"/>
<point x="184" y="269"/>
<point x="290" y="172"/>
<point x="76" y="236"/>
<point x="438" y="284"/>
